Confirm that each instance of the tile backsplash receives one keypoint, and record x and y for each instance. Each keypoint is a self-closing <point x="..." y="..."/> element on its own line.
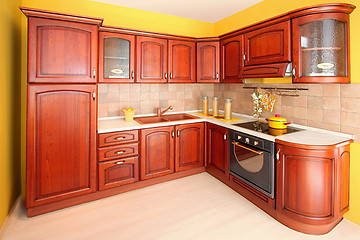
<point x="333" y="107"/>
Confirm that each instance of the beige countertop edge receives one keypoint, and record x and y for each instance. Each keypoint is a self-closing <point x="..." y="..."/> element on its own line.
<point x="309" y="135"/>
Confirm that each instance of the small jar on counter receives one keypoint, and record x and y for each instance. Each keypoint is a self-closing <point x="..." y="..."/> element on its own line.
<point x="227" y="114"/>
<point x="205" y="102"/>
<point x="215" y="110"/>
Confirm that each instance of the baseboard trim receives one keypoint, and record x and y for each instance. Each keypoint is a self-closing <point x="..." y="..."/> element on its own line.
<point x="8" y="219"/>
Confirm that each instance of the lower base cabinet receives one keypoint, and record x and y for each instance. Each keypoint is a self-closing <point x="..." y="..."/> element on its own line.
<point x="312" y="186"/>
<point x="165" y="150"/>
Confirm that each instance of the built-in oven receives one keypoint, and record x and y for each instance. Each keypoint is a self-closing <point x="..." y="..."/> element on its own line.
<point x="252" y="160"/>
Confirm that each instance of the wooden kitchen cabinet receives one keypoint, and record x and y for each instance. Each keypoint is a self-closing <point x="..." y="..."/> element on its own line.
<point x="61" y="143"/>
<point x="321" y="48"/>
<point x="157" y="152"/>
<point x="61" y="51"/>
<point x="189" y="146"/>
<point x="271" y="44"/>
<point x="182" y="68"/>
<point x="165" y="150"/>
<point x="152" y="59"/>
<point x="312" y="185"/>
<point x="116" y="57"/>
<point x="218" y="151"/>
<point x="208" y="62"/>
<point x="232" y="59"/>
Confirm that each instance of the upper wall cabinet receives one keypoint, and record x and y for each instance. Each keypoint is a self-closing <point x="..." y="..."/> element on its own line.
<point x="208" y="62"/>
<point x="62" y="51"/>
<point x="116" y="57"/>
<point x="151" y="57"/>
<point x="270" y="44"/>
<point x="321" y="48"/>
<point x="231" y="59"/>
<point x="181" y="61"/>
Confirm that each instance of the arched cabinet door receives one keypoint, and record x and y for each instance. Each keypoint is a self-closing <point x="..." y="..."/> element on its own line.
<point x="157" y="152"/>
<point x="151" y="60"/>
<point x="208" y="62"/>
<point x="218" y="148"/>
<point x="232" y="59"/>
<point x="62" y="51"/>
<point x="61" y="142"/>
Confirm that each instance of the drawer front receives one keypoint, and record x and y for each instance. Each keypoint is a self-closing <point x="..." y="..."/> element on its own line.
<point x="118" y="172"/>
<point x="118" y="151"/>
<point x="114" y="138"/>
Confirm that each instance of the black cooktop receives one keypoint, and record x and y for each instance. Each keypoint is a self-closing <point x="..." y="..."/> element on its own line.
<point x="264" y="128"/>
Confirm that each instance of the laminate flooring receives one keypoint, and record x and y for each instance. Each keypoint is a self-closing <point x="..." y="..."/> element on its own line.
<point x="195" y="207"/>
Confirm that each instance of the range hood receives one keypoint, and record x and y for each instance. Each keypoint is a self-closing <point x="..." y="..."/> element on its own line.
<point x="267" y="70"/>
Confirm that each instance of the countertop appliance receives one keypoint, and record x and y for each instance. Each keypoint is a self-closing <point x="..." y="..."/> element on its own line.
<point x="263" y="127"/>
<point x="252" y="160"/>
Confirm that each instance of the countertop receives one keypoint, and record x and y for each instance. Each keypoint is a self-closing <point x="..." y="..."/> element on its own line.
<point x="308" y="135"/>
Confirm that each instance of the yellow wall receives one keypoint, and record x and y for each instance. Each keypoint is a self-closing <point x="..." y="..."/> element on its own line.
<point x="270" y="8"/>
<point x="10" y="31"/>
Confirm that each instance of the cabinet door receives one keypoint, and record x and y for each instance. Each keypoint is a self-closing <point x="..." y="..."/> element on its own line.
<point x="304" y="184"/>
<point x="268" y="45"/>
<point x="61" y="51"/>
<point x="231" y="59"/>
<point x="118" y="172"/>
<point x="218" y="148"/>
<point x="151" y="58"/>
<point x="116" y="57"/>
<point x="61" y="142"/>
<point x="320" y="48"/>
<point x="189" y="146"/>
<point x="181" y="61"/>
<point x="208" y="62"/>
<point x="157" y="152"/>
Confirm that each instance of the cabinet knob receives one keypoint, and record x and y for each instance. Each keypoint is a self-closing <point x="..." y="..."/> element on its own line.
<point x="165" y="76"/>
<point x="118" y="163"/>
<point x="278" y="156"/>
<point x="217" y="76"/>
<point x="94" y="72"/>
<point x="172" y="133"/>
<point x="256" y="143"/>
<point x="119" y="138"/>
<point x="171" y="76"/>
<point x="119" y="152"/>
<point x="294" y="72"/>
<point x="247" y="140"/>
<point x="132" y="75"/>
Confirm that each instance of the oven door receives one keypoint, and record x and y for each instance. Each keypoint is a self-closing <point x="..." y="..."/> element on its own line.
<point x="255" y="167"/>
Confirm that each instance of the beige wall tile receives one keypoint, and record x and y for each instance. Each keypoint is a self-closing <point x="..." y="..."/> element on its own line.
<point x="124" y="87"/>
<point x="164" y="95"/>
<point x="154" y="95"/>
<point x="102" y="97"/>
<point x="331" y="117"/>
<point x="300" y="113"/>
<point x="315" y="90"/>
<point x="350" y="119"/>
<point x="350" y="90"/>
<point x="102" y="88"/>
<point x="331" y="103"/>
<point x="315" y="115"/>
<point x="331" y="90"/>
<point x="287" y="111"/>
<point x="145" y="96"/>
<point x="113" y="88"/>
<point x="154" y="88"/>
<point x="113" y="97"/>
<point x="315" y="102"/>
<point x="350" y="104"/>
<point x="135" y="87"/>
<point x="145" y="87"/>
<point x="351" y="130"/>
<point x="124" y="97"/>
<point x="300" y="101"/>
<point x="300" y="121"/>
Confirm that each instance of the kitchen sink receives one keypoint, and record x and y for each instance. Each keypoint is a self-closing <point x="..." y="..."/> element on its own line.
<point x="164" y="118"/>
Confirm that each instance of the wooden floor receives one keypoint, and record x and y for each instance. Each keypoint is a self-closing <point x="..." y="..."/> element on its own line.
<point x="195" y="207"/>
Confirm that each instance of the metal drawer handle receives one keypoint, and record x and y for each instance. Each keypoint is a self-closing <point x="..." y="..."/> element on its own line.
<point x="120" y="152"/>
<point x="118" y="163"/>
<point x="119" y="138"/>
<point x="251" y="150"/>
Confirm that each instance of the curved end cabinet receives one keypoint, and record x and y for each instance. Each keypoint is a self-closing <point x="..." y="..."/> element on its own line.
<point x="312" y="186"/>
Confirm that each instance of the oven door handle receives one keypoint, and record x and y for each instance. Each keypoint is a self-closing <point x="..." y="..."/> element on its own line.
<point x="247" y="148"/>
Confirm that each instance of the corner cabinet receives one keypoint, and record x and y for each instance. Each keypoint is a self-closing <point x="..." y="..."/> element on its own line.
<point x="321" y="48"/>
<point x="312" y="185"/>
<point x="232" y="59"/>
<point x="218" y="151"/>
<point x="208" y="62"/>
<point x="61" y="143"/>
<point x="62" y="51"/>
<point x="116" y="57"/>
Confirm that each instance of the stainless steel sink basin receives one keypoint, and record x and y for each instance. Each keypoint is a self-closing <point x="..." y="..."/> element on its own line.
<point x="164" y="118"/>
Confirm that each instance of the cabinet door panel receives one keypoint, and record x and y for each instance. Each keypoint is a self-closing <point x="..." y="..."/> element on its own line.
<point x="231" y="55"/>
<point x="116" y="57"/>
<point x="61" y="51"/>
<point x="157" y="152"/>
<point x="268" y="45"/>
<point x="218" y="148"/>
<point x="151" y="57"/>
<point x="181" y="61"/>
<point x="61" y="138"/>
<point x="189" y="146"/>
<point x="208" y="62"/>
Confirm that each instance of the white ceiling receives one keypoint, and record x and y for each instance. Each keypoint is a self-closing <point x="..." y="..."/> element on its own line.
<point x="204" y="10"/>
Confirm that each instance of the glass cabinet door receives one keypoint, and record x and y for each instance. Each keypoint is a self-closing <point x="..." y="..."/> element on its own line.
<point x="117" y="57"/>
<point x="320" y="51"/>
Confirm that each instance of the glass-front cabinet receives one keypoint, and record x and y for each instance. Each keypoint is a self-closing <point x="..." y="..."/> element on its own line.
<point x="116" y="57"/>
<point x="320" y="48"/>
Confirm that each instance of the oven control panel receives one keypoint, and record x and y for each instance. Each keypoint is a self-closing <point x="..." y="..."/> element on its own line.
<point x="251" y="140"/>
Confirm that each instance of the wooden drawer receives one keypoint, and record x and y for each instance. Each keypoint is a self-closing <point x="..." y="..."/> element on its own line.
<point x="114" y="138"/>
<point x="118" y="172"/>
<point x="118" y="151"/>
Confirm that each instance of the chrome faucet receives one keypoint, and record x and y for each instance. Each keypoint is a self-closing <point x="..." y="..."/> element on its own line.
<point x="160" y="113"/>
